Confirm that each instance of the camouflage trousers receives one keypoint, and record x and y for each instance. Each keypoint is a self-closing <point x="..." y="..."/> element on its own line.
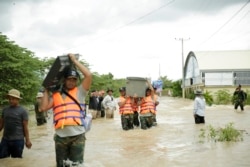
<point x="146" y="121"/>
<point x="154" y="119"/>
<point x="69" y="148"/>
<point x="136" y="119"/>
<point x="127" y="121"/>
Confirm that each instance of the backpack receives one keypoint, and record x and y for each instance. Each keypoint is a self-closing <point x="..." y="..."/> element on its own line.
<point x="245" y="95"/>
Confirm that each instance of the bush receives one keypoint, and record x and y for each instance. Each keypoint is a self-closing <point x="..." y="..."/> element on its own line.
<point x="247" y="101"/>
<point x="229" y="133"/>
<point x="190" y="95"/>
<point x="209" y="98"/>
<point x="223" y="97"/>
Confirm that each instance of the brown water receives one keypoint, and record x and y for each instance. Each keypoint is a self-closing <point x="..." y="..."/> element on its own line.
<point x="174" y="142"/>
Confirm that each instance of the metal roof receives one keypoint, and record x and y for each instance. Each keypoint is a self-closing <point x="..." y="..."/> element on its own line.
<point x="223" y="60"/>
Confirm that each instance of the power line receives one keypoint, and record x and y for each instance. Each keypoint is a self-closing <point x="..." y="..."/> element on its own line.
<point x="227" y="21"/>
<point x="182" y="55"/>
<point x="133" y="21"/>
<point x="137" y="19"/>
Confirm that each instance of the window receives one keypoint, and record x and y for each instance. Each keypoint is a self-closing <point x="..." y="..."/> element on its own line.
<point x="219" y="78"/>
<point x="242" y="78"/>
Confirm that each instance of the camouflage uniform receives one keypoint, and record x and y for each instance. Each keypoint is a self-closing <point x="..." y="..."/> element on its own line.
<point x="146" y="121"/>
<point x="127" y="121"/>
<point x="136" y="119"/>
<point x="239" y="98"/>
<point x="75" y="155"/>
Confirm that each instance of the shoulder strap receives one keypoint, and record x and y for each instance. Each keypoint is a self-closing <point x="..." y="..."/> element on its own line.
<point x="65" y="92"/>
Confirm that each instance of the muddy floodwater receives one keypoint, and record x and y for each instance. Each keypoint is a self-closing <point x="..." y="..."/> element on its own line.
<point x="174" y="142"/>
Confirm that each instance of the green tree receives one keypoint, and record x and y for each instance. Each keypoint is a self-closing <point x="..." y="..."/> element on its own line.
<point x="20" y="69"/>
<point x="177" y="90"/>
<point x="166" y="82"/>
<point x="105" y="81"/>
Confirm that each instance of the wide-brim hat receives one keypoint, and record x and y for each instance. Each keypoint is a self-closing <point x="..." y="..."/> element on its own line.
<point x="39" y="94"/>
<point x="198" y="92"/>
<point x="14" y="93"/>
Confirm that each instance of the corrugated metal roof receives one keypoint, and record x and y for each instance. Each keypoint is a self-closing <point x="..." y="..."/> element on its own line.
<point x="223" y="60"/>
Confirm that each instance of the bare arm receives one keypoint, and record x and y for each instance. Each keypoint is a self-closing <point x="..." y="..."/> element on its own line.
<point x="46" y="102"/>
<point x="26" y="134"/>
<point x="122" y="102"/>
<point x="152" y="89"/>
<point x="86" y="83"/>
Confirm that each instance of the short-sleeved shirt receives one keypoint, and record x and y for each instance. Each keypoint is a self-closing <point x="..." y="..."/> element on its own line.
<point x="73" y="130"/>
<point x="13" y="122"/>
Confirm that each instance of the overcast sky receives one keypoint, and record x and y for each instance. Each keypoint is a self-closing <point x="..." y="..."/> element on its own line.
<point x="127" y="37"/>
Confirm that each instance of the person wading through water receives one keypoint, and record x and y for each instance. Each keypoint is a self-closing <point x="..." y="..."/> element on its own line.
<point x="68" y="117"/>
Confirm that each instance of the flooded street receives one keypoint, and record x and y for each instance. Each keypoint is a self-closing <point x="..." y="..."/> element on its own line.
<point x="174" y="142"/>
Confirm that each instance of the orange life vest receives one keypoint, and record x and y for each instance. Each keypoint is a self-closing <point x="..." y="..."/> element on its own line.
<point x="147" y="105"/>
<point x="127" y="107"/>
<point x="66" y="111"/>
<point x="135" y="107"/>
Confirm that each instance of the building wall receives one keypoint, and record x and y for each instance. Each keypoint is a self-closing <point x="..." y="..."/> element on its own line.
<point x="195" y="75"/>
<point x="231" y="89"/>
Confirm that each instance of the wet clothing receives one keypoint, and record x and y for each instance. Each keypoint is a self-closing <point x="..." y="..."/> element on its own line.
<point x="40" y="116"/>
<point x="11" y="148"/>
<point x="70" y="134"/>
<point x="109" y="102"/>
<point x="135" y="107"/>
<point x="13" y="122"/>
<point x="127" y="121"/>
<point x="239" y="98"/>
<point x="146" y="121"/>
<point x="156" y="101"/>
<point x="109" y="113"/>
<point x="199" y="119"/>
<point x="147" y="109"/>
<point x="93" y="106"/>
<point x="136" y="121"/>
<point x="100" y="107"/>
<point x="127" y="113"/>
<point x="66" y="111"/>
<point x="109" y="105"/>
<point x="199" y="109"/>
<point x="12" y="143"/>
<point x="127" y="107"/>
<point x="93" y="102"/>
<point x="147" y="105"/>
<point x="154" y="119"/>
<point x="69" y="148"/>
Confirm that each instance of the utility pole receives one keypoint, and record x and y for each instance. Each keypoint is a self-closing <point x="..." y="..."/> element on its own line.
<point x="182" y="54"/>
<point x="159" y="71"/>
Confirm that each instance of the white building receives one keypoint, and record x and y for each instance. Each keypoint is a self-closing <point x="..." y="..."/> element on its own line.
<point x="214" y="70"/>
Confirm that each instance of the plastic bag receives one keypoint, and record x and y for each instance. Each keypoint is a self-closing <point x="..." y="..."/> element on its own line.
<point x="87" y="122"/>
